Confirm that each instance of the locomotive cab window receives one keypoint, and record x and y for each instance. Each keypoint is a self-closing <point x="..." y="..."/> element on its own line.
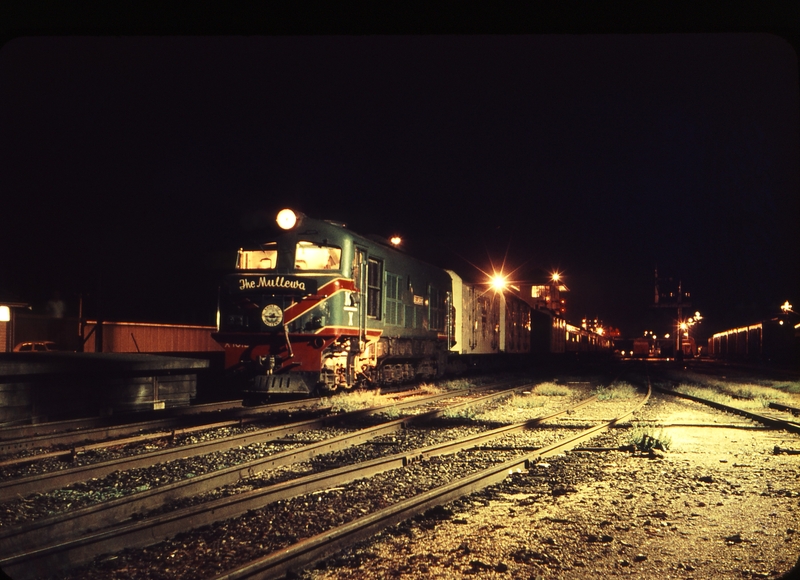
<point x="262" y="259"/>
<point x="310" y="256"/>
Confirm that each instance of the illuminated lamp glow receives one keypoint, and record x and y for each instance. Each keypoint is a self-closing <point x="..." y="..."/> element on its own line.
<point x="286" y="219"/>
<point x="5" y="314"/>
<point x="498" y="282"/>
<point x="556" y="277"/>
<point x="396" y="240"/>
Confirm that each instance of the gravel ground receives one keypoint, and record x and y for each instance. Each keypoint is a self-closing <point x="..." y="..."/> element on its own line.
<point x="719" y="504"/>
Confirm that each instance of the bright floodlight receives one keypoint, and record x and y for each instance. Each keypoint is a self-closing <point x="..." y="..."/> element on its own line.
<point x="498" y="282"/>
<point x="395" y="240"/>
<point x="786" y="307"/>
<point x="556" y="277"/>
<point x="286" y="219"/>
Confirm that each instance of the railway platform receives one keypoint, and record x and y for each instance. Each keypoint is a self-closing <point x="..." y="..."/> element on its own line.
<point x="37" y="387"/>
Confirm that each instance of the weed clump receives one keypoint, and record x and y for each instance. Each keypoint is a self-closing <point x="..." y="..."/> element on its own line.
<point x="551" y="390"/>
<point x="462" y="413"/>
<point x="355" y="400"/>
<point x="793" y="387"/>
<point x="526" y="401"/>
<point x="646" y="440"/>
<point x="615" y="391"/>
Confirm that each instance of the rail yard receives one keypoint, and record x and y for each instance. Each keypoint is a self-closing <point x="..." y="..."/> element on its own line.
<point x="637" y="469"/>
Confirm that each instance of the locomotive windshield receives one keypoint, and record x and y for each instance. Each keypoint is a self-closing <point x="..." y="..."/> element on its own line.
<point x="263" y="259"/>
<point x="310" y="256"/>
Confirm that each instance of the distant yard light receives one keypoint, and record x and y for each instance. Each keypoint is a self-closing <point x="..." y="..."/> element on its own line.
<point x="786" y="307"/>
<point x="396" y="240"/>
<point x="498" y="283"/>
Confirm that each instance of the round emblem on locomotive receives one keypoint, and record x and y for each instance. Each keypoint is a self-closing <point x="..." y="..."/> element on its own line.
<point x="272" y="315"/>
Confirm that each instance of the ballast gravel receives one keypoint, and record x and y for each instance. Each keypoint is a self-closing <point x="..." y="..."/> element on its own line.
<point x="720" y="503"/>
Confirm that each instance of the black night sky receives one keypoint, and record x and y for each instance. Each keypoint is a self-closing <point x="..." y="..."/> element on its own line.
<point x="130" y="164"/>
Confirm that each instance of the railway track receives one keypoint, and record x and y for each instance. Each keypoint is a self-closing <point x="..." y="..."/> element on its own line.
<point x="30" y="537"/>
<point x="605" y="513"/>
<point x="774" y="422"/>
<point x="45" y="436"/>
<point x="715" y="393"/>
<point x="43" y="480"/>
<point x="33" y="551"/>
<point x="59" y="527"/>
<point x="320" y="546"/>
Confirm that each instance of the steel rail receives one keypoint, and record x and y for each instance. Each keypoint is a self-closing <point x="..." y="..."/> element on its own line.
<point x="52" y="427"/>
<point x="15" y="431"/>
<point x="85" y="430"/>
<point x="45" y="482"/>
<point x="786" y="408"/>
<point x="70" y="524"/>
<point x="305" y="552"/>
<point x="142" y="438"/>
<point x="769" y="421"/>
<point x="60" y="553"/>
<point x="74" y="433"/>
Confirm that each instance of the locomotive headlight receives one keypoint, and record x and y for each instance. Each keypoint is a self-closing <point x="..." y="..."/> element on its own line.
<point x="286" y="219"/>
<point x="272" y="315"/>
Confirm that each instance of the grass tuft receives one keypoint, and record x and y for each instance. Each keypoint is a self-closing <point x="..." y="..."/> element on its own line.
<point x="551" y="390"/>
<point x="645" y="440"/>
<point x="355" y="400"/>
<point x="463" y="413"/>
<point x="615" y="391"/>
<point x="526" y="401"/>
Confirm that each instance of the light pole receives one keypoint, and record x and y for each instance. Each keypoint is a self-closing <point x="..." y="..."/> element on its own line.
<point x="683" y="329"/>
